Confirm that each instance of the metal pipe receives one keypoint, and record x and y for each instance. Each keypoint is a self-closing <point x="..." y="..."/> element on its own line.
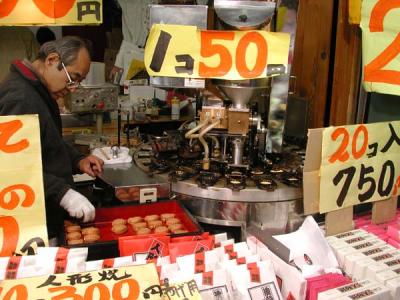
<point x="215" y="152"/>
<point x="206" y="160"/>
<point x="237" y="151"/>
<point x="189" y="134"/>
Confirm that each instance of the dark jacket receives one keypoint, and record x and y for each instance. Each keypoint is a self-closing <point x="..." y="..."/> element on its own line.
<point x="21" y="93"/>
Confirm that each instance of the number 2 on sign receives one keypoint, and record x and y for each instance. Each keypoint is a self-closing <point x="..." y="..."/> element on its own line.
<point x="374" y="72"/>
<point x="341" y="154"/>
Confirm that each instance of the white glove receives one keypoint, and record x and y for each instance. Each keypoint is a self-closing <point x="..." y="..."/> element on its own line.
<point x="78" y="206"/>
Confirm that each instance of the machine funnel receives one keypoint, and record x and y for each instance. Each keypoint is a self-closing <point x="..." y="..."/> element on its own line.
<point x="244" y="15"/>
<point x="240" y="92"/>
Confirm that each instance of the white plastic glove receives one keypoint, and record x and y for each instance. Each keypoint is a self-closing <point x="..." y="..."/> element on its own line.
<point x="78" y="206"/>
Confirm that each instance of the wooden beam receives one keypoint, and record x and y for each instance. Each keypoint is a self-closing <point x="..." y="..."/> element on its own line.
<point x="339" y="221"/>
<point x="346" y="76"/>
<point x="384" y="211"/>
<point x="312" y="55"/>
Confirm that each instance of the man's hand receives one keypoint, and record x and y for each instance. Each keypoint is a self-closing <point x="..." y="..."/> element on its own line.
<point x="91" y="165"/>
<point x="78" y="206"/>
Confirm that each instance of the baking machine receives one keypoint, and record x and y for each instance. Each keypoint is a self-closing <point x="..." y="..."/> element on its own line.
<point x="231" y="168"/>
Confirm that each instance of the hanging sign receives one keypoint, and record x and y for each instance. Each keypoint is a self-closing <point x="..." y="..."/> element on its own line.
<point x="22" y="209"/>
<point x="56" y="12"/>
<point x="185" y="51"/>
<point x="135" y="282"/>
<point x="381" y="45"/>
<point x="359" y="164"/>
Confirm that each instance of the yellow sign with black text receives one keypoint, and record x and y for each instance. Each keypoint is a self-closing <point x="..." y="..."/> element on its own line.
<point x="381" y="46"/>
<point x="135" y="282"/>
<point x="22" y="208"/>
<point x="360" y="163"/>
<point x="185" y="51"/>
<point x="50" y="12"/>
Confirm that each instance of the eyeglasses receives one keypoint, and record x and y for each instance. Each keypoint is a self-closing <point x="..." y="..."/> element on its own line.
<point x="70" y="84"/>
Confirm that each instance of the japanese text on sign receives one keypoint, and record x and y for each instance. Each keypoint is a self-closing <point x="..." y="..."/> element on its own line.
<point x="359" y="164"/>
<point x="184" y="51"/>
<point x="22" y="212"/>
<point x="24" y="12"/>
<point x="184" y="290"/>
<point x="122" y="283"/>
<point x="381" y="45"/>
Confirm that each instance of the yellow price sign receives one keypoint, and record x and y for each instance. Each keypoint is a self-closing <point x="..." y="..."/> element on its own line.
<point x="185" y="51"/>
<point x="26" y="12"/>
<point x="119" y="284"/>
<point x="381" y="45"/>
<point x="359" y="164"/>
<point x="22" y="210"/>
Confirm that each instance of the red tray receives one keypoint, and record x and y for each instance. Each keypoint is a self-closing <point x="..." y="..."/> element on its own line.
<point x="105" y="216"/>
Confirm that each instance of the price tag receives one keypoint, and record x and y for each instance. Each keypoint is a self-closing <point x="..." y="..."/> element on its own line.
<point x="360" y="163"/>
<point x="135" y="282"/>
<point x="381" y="45"/>
<point x="22" y="210"/>
<point x="24" y="12"/>
<point x="184" y="51"/>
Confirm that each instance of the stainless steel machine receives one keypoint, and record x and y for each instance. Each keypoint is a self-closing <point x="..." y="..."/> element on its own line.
<point x="231" y="168"/>
<point x="94" y="99"/>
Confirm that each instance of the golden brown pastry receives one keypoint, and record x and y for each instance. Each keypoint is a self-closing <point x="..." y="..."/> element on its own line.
<point x="90" y="230"/>
<point x="172" y="221"/>
<point x="151" y="218"/>
<point x="73" y="228"/>
<point x="139" y="225"/>
<point x="119" y="222"/>
<point x="143" y="230"/>
<point x="90" y="238"/>
<point x="174" y="227"/>
<point x="135" y="220"/>
<point x="161" y="229"/>
<point x="75" y="242"/>
<point x="154" y="224"/>
<point x="167" y="216"/>
<point x="119" y="229"/>
<point x="76" y="235"/>
<point x="121" y="194"/>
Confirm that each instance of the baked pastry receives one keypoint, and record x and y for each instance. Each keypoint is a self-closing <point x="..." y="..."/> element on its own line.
<point x="119" y="229"/>
<point x="90" y="230"/>
<point x="151" y="218"/>
<point x="154" y="224"/>
<point x="90" y="238"/>
<point x="172" y="221"/>
<point x="134" y="220"/>
<point x="143" y="230"/>
<point x="118" y="222"/>
<point x="76" y="235"/>
<point x="174" y="227"/>
<point x="179" y="231"/>
<point x="139" y="225"/>
<point x="122" y="194"/>
<point x="161" y="229"/>
<point x="75" y="242"/>
<point x="72" y="228"/>
<point x="167" y="216"/>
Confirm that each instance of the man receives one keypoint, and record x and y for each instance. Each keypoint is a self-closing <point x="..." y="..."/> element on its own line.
<point x="32" y="88"/>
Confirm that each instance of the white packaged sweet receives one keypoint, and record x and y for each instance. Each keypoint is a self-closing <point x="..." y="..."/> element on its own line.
<point x="256" y="282"/>
<point x="213" y="285"/>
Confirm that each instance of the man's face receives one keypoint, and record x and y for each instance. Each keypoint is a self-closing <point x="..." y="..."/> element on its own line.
<point x="57" y="80"/>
